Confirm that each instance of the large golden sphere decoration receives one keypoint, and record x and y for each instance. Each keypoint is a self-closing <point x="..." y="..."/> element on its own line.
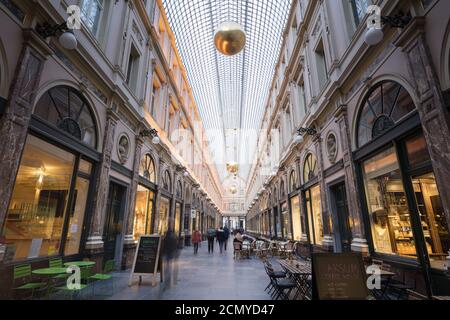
<point x="229" y="38"/>
<point x="232" y="167"/>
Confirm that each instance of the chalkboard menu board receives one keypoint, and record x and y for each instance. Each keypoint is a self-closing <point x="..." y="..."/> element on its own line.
<point x="339" y="276"/>
<point x="147" y="258"/>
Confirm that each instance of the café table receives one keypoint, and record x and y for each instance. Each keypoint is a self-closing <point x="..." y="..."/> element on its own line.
<point x="81" y="264"/>
<point x="300" y="271"/>
<point x="49" y="273"/>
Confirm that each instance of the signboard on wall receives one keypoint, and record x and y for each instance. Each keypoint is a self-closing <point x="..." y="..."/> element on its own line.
<point x="339" y="276"/>
<point x="147" y="259"/>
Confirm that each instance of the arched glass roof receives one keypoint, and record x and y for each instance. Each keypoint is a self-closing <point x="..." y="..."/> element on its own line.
<point x="230" y="91"/>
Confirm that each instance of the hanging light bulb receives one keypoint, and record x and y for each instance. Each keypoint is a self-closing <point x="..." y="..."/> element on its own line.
<point x="298" y="138"/>
<point x="185" y="173"/>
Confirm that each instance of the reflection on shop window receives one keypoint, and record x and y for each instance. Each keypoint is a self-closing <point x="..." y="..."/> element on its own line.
<point x="432" y="218"/>
<point x="77" y="216"/>
<point x="143" y="212"/>
<point x="313" y="208"/>
<point x="164" y="216"/>
<point x="35" y="216"/>
<point x="286" y="221"/>
<point x="389" y="215"/>
<point x="296" y="223"/>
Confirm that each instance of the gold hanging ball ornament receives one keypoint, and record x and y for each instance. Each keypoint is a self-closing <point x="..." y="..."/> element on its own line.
<point x="229" y="38"/>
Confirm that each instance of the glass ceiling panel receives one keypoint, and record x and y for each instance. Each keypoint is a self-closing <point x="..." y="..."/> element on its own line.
<point x="230" y="91"/>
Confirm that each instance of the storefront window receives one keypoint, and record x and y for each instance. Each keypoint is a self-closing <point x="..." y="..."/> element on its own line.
<point x="36" y="212"/>
<point x="295" y="213"/>
<point x="77" y="216"/>
<point x="313" y="208"/>
<point x="432" y="218"/>
<point x="177" y="218"/>
<point x="164" y="209"/>
<point x="387" y="206"/>
<point x="286" y="221"/>
<point x="143" y="212"/>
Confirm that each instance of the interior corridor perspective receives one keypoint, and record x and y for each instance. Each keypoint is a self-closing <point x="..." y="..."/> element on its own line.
<point x="139" y="139"/>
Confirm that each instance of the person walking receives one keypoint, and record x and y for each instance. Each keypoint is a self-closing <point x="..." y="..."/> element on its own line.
<point x="211" y="234"/>
<point x="227" y="235"/>
<point x="220" y="235"/>
<point x="196" y="239"/>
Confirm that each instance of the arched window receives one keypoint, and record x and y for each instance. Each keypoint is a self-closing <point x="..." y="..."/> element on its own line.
<point x="179" y="191"/>
<point x="385" y="105"/>
<point x="147" y="168"/>
<point x="292" y="181"/>
<point x="282" y="190"/>
<point x="166" y="181"/>
<point x="309" y="168"/>
<point x="68" y="110"/>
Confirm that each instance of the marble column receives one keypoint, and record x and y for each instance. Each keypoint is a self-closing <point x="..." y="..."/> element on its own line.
<point x="359" y="242"/>
<point x="94" y="243"/>
<point x="432" y="109"/>
<point x="133" y="190"/>
<point x="19" y="106"/>
<point x="328" y="241"/>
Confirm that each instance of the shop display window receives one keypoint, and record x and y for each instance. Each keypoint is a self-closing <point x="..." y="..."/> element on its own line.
<point x="286" y="221"/>
<point x="313" y="207"/>
<point x="389" y="216"/>
<point x="296" y="222"/>
<point x="164" y="209"/>
<point x="143" y="212"/>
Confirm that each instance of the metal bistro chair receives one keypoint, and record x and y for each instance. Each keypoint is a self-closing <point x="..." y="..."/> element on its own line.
<point x="237" y="250"/>
<point x="279" y="283"/>
<point x="106" y="275"/>
<point x="273" y="248"/>
<point x="22" y="280"/>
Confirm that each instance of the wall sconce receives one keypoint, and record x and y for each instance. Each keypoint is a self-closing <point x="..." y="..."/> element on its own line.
<point x="374" y="34"/>
<point x="302" y="131"/>
<point x="151" y="133"/>
<point x="66" y="38"/>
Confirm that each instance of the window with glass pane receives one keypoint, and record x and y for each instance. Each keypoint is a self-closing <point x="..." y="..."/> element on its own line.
<point x="36" y="212"/>
<point x="76" y="220"/>
<point x="286" y="221"/>
<point x="176" y="228"/>
<point x="417" y="150"/>
<point x="295" y="213"/>
<point x="387" y="206"/>
<point x="147" y="168"/>
<point x="143" y="212"/>
<point x="65" y="108"/>
<point x="433" y="219"/>
<point x="164" y="216"/>
<point x="359" y="8"/>
<point x="309" y="168"/>
<point x="313" y="208"/>
<point x="91" y="12"/>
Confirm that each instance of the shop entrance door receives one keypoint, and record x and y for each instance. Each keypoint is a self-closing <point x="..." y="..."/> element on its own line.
<point x="342" y="217"/>
<point x="113" y="222"/>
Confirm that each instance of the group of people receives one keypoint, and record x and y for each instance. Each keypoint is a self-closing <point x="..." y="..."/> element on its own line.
<point x="221" y="235"/>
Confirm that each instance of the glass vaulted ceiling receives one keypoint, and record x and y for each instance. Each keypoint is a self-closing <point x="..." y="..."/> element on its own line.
<point x="230" y="92"/>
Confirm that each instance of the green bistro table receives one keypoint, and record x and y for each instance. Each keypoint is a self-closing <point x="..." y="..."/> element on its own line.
<point x="49" y="272"/>
<point x="80" y="264"/>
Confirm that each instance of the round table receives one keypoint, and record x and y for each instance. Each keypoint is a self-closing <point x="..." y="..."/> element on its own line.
<point x="49" y="271"/>
<point x="80" y="264"/>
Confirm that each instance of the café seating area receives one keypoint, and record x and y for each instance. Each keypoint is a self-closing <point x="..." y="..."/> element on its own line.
<point x="59" y="280"/>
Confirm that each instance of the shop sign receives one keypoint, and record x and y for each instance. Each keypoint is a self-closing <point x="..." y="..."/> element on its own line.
<point x="339" y="276"/>
<point x="147" y="259"/>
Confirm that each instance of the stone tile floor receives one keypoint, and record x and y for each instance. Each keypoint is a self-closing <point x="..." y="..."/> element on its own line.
<point x="193" y="277"/>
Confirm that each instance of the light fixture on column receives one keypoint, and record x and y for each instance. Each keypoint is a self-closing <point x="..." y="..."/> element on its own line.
<point x="66" y="38"/>
<point x="232" y="167"/>
<point x="229" y="38"/>
<point x="374" y="34"/>
<point x="185" y="173"/>
<point x="151" y="133"/>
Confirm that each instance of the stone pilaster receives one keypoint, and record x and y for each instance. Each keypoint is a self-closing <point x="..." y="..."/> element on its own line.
<point x="432" y="109"/>
<point x="133" y="189"/>
<point x="17" y="113"/>
<point x="94" y="242"/>
<point x="359" y="242"/>
<point x="327" y="241"/>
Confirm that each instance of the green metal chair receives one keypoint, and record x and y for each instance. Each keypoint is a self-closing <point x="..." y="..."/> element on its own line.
<point x="22" y="280"/>
<point x="57" y="263"/>
<point x="85" y="273"/>
<point x="106" y="275"/>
